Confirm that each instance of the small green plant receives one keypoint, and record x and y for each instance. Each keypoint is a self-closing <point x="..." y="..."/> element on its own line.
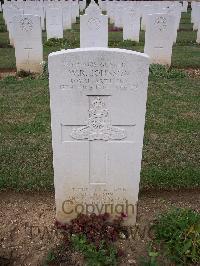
<point x="50" y="258"/>
<point x="45" y="72"/>
<point x="151" y="260"/>
<point x="178" y="231"/>
<point x="3" y="28"/>
<point x="10" y="79"/>
<point x="103" y="255"/>
<point x="61" y="255"/>
<point x="53" y="42"/>
<point x="160" y="71"/>
<point x="129" y="43"/>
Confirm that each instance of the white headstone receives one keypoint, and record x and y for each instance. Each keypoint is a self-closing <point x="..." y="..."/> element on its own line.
<point x="198" y="34"/>
<point x="118" y="16"/>
<point x="131" y="25"/>
<point x="159" y="38"/>
<point x="93" y="28"/>
<point x="196" y="15"/>
<point x="75" y="10"/>
<point x="185" y="6"/>
<point x="10" y="13"/>
<point x="67" y="17"/>
<point x="146" y="10"/>
<point x="28" y="43"/>
<point x="98" y="98"/>
<point x="110" y="11"/>
<point x="103" y="5"/>
<point x="82" y="5"/>
<point x="54" y="23"/>
<point x="32" y="8"/>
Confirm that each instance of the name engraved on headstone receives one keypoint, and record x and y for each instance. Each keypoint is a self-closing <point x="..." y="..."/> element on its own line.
<point x="93" y="76"/>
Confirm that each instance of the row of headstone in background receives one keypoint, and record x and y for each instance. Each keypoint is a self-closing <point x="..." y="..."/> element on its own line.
<point x="94" y="28"/>
<point x="64" y="17"/>
<point x="25" y="31"/>
<point x="160" y="22"/>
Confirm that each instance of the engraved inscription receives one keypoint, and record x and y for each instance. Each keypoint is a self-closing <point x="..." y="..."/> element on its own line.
<point x="94" y="24"/>
<point x="99" y="126"/>
<point x="26" y="24"/>
<point x="161" y="23"/>
<point x="100" y="75"/>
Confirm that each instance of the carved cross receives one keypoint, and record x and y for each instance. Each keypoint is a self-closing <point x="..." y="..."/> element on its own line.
<point x="98" y="132"/>
<point x="28" y="49"/>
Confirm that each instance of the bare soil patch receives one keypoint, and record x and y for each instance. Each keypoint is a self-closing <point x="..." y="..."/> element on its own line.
<point x="27" y="230"/>
<point x="5" y="72"/>
<point x="193" y="73"/>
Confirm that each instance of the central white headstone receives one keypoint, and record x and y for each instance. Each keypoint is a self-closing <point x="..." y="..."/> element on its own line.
<point x="98" y="103"/>
<point x="93" y="28"/>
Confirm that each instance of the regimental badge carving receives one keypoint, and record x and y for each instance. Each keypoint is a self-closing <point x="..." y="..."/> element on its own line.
<point x="99" y="126"/>
<point x="161" y="23"/>
<point x="94" y="23"/>
<point x="26" y="24"/>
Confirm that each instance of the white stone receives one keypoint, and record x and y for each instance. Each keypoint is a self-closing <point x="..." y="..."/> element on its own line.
<point x="173" y="11"/>
<point x="198" y="34"/>
<point x="159" y="38"/>
<point x="196" y="16"/>
<point x="82" y="5"/>
<point x="10" y="13"/>
<point x="93" y="9"/>
<point x="54" y="24"/>
<point x="131" y="25"/>
<point x="185" y="6"/>
<point x="93" y="28"/>
<point x="146" y="10"/>
<point x="28" y="43"/>
<point x="98" y="103"/>
<point x="36" y="10"/>
<point x="118" y="16"/>
<point x="67" y="17"/>
<point x="75" y="10"/>
<point x="103" y="5"/>
<point x="110" y="11"/>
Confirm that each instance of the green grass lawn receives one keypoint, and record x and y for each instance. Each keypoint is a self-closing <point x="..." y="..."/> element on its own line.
<point x="171" y="148"/>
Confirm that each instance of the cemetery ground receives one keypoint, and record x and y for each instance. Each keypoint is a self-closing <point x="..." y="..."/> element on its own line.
<point x="170" y="168"/>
